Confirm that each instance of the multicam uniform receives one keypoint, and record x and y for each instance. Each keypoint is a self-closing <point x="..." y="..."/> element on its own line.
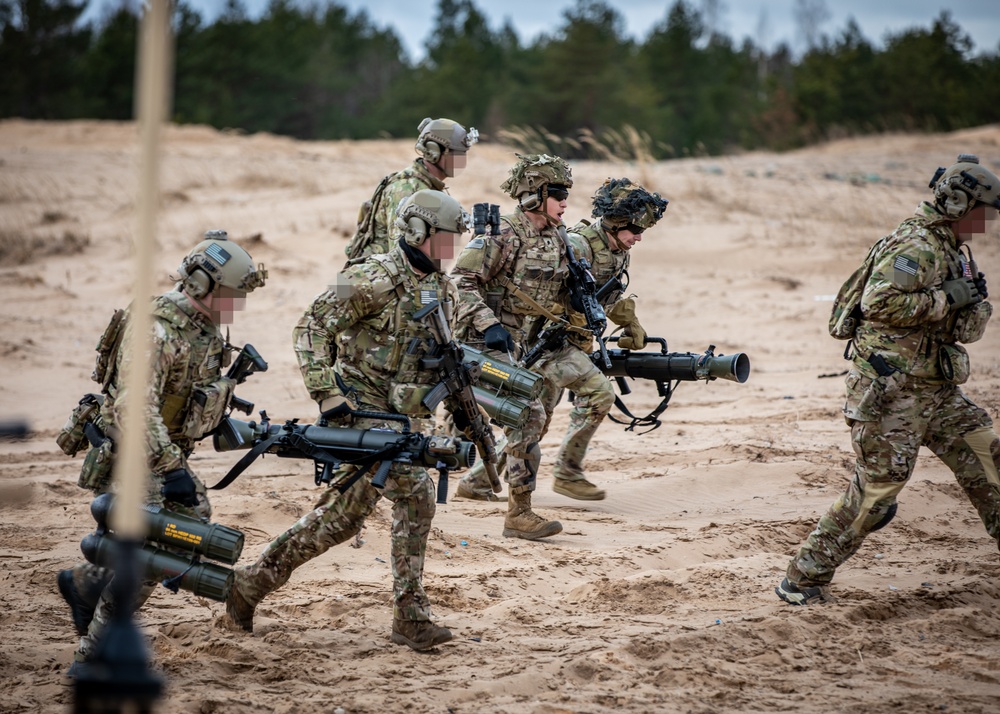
<point x="188" y="358"/>
<point x="486" y="272"/>
<point x="908" y="321"/>
<point x="379" y="346"/>
<point x="374" y="227"/>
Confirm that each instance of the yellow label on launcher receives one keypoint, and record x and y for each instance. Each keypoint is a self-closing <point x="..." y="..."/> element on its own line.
<point x="171" y="531"/>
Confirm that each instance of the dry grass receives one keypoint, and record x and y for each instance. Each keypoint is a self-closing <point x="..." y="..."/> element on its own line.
<point x="18" y="247"/>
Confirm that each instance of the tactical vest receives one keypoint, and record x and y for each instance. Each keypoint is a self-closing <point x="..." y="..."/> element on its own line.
<point x="539" y="269"/>
<point x="605" y="263"/>
<point x="185" y="418"/>
<point x="383" y="352"/>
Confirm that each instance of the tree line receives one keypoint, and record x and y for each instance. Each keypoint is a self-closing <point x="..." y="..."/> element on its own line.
<point x="318" y="71"/>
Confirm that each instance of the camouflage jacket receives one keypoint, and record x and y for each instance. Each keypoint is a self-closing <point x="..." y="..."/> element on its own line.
<point x="488" y="269"/>
<point x="379" y="213"/>
<point x="906" y="316"/>
<point x="367" y="317"/>
<point x="188" y="354"/>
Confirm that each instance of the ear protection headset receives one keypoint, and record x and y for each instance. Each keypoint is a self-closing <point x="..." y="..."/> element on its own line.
<point x="534" y="201"/>
<point x="198" y="283"/>
<point x="431" y="151"/>
<point x="954" y="201"/>
<point x="414" y="230"/>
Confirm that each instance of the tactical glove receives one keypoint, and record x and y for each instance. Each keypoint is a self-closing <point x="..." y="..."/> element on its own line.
<point x="497" y="338"/>
<point x="178" y="486"/>
<point x="334" y="407"/>
<point x="961" y="292"/>
<point x="634" y="335"/>
<point x="980" y="282"/>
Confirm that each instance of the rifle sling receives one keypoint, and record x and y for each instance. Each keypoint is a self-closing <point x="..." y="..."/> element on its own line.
<point x="513" y="288"/>
<point x="245" y="462"/>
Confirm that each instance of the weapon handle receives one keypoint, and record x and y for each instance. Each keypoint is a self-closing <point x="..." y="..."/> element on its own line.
<point x="442" y="489"/>
<point x="378" y="480"/>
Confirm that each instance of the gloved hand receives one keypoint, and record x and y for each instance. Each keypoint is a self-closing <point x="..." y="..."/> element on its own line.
<point x="497" y="338"/>
<point x="335" y="407"/>
<point x="961" y="292"/>
<point x="980" y="281"/>
<point x="461" y="421"/>
<point x="634" y="335"/>
<point x="178" y="486"/>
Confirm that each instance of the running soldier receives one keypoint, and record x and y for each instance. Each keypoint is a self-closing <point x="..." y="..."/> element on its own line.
<point x="907" y="310"/>
<point x="367" y="318"/>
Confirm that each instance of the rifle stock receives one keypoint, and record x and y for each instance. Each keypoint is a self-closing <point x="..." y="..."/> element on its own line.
<point x="458" y="380"/>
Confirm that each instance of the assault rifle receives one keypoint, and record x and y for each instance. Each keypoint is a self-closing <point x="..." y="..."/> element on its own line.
<point x="458" y="380"/>
<point x="583" y="296"/>
<point x="247" y="362"/>
<point x="329" y="447"/>
<point x="553" y="337"/>
<point x="664" y="367"/>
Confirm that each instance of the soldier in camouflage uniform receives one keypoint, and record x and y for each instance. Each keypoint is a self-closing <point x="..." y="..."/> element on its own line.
<point x="442" y="145"/>
<point x="368" y="318"/>
<point x="187" y="398"/>
<point x="918" y="297"/>
<point x="624" y="211"/>
<point x="495" y="274"/>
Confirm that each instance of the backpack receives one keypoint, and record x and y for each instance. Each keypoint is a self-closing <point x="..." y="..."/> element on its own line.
<point x="846" y="311"/>
<point x="366" y="220"/>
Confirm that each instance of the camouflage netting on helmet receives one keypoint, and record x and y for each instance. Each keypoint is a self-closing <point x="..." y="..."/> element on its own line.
<point x="620" y="202"/>
<point x="533" y="171"/>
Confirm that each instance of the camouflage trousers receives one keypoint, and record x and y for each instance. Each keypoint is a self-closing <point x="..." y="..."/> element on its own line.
<point x="567" y="368"/>
<point x="337" y="517"/>
<point x="87" y="575"/>
<point x="938" y="416"/>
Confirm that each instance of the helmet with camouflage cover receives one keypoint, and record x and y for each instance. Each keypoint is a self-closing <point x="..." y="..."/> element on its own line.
<point x="531" y="176"/>
<point x="620" y="202"/>
<point x="217" y="262"/>
<point x="957" y="188"/>
<point x="440" y="136"/>
<point x="427" y="212"/>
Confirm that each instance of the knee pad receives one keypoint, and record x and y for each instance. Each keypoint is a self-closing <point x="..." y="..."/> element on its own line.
<point x="887" y="515"/>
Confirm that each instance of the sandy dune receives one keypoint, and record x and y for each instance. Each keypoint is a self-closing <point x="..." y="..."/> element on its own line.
<point x="659" y="598"/>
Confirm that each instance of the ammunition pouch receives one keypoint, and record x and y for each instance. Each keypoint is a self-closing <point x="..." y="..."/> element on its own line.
<point x="208" y="407"/>
<point x="970" y="325"/>
<point x="72" y="437"/>
<point x="866" y="397"/>
<point x="95" y="474"/>
<point x="954" y="363"/>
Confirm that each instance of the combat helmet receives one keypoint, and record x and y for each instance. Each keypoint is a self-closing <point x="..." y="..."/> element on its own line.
<point x="531" y="177"/>
<point x="620" y="202"/>
<point x="427" y="212"/>
<point x="218" y="262"/>
<point x="440" y="136"/>
<point x="957" y="188"/>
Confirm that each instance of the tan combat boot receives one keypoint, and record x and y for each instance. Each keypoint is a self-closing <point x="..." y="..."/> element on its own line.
<point x="239" y="609"/>
<point x="581" y="489"/>
<point x="471" y="492"/>
<point x="419" y="634"/>
<point x="522" y="522"/>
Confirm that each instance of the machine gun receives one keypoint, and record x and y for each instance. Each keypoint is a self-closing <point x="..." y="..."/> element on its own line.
<point x="329" y="447"/>
<point x="458" y="380"/>
<point x="664" y="367"/>
<point x="172" y="551"/>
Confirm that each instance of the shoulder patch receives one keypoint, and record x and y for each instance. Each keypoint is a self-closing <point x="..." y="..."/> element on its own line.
<point x="904" y="271"/>
<point x="476" y="242"/>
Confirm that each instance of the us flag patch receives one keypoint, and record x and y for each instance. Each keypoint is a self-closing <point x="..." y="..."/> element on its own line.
<point x="904" y="271"/>
<point x="213" y="362"/>
<point x="217" y="253"/>
<point x="907" y="265"/>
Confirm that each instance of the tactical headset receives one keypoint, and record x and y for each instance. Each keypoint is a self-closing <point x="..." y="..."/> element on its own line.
<point x="957" y="188"/>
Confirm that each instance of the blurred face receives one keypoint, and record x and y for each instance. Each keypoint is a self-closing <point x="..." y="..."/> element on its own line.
<point x="453" y="162"/>
<point x="441" y="246"/>
<point x="226" y="302"/>
<point x="978" y="221"/>
<point x="627" y="237"/>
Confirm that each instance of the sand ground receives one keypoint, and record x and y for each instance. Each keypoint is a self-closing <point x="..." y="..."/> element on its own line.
<point x="659" y="598"/>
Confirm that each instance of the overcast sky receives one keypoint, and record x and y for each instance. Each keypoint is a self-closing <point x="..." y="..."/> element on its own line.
<point x="766" y="22"/>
